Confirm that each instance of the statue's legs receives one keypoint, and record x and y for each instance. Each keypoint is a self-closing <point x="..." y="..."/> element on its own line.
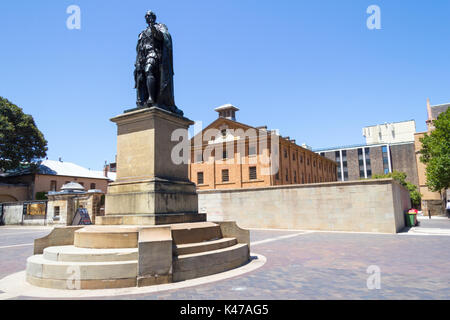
<point x="152" y="83"/>
<point x="142" y="94"/>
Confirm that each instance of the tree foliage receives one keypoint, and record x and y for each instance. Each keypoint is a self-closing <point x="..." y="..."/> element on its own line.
<point x="435" y="153"/>
<point x="400" y="177"/>
<point x="20" y="139"/>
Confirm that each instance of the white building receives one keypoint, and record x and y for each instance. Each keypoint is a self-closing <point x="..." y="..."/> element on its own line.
<point x="396" y="132"/>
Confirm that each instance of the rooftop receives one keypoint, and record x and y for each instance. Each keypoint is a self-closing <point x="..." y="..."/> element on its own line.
<point x="363" y="145"/>
<point x="226" y="107"/>
<point x="387" y="123"/>
<point x="59" y="168"/>
<point x="341" y="147"/>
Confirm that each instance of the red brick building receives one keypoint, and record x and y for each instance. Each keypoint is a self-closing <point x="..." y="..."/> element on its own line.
<point x="228" y="154"/>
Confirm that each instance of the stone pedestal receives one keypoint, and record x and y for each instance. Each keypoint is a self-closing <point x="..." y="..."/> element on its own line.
<point x="150" y="188"/>
<point x="125" y="248"/>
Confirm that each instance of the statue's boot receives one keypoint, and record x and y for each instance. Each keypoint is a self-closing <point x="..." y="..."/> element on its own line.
<point x="150" y="103"/>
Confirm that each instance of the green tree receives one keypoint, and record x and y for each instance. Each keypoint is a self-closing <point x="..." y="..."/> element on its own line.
<point x="20" y="139"/>
<point x="435" y="153"/>
<point x="400" y="177"/>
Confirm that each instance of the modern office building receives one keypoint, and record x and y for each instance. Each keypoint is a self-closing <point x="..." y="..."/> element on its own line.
<point x="389" y="147"/>
<point x="229" y="155"/>
<point x="396" y="132"/>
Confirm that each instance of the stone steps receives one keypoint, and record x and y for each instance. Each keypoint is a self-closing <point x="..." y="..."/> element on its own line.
<point x="104" y="257"/>
<point x="190" y="266"/>
<point x="106" y="237"/>
<point x="75" y="254"/>
<point x="60" y="274"/>
<point x="82" y="284"/>
<point x="112" y="237"/>
<point x="195" y="232"/>
<point x="190" y="248"/>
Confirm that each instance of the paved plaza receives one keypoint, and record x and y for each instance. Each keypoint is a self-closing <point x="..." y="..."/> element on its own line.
<point x="302" y="265"/>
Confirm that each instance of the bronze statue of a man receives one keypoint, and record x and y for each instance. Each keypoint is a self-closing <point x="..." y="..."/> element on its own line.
<point x="154" y="67"/>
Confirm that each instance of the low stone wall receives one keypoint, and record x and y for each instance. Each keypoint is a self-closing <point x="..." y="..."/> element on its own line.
<point x="360" y="206"/>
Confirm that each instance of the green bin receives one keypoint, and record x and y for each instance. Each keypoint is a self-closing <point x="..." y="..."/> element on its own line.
<point x="411" y="219"/>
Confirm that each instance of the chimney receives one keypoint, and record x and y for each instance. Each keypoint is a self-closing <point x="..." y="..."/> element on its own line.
<point x="429" y="122"/>
<point x="227" y="111"/>
<point x="105" y="170"/>
<point x="304" y="145"/>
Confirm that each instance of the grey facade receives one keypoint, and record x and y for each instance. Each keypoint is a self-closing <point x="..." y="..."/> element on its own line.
<point x="359" y="162"/>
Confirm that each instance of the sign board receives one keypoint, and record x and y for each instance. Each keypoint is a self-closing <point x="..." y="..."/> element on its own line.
<point x="81" y="217"/>
<point x="36" y="209"/>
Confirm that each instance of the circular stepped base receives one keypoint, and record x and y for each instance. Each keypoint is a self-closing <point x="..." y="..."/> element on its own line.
<point x="109" y="257"/>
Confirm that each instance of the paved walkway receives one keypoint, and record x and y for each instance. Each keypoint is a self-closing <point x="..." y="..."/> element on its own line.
<point x="433" y="226"/>
<point x="303" y="265"/>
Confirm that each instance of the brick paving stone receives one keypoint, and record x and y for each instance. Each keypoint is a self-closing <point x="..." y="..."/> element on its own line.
<point x="258" y="235"/>
<point x="313" y="266"/>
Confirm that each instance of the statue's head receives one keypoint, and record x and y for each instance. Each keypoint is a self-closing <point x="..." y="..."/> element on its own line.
<point x="150" y="17"/>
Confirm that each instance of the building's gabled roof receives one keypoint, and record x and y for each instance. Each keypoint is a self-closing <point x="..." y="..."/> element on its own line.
<point x="59" y="168"/>
<point x="216" y="123"/>
<point x="235" y="124"/>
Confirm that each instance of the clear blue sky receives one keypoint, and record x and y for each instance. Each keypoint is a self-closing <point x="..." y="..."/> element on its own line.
<point x="309" y="68"/>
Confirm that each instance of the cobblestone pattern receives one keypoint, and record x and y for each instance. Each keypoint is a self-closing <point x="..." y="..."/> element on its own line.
<point x="310" y="266"/>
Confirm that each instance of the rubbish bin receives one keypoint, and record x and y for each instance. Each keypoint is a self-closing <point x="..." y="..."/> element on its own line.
<point x="411" y="217"/>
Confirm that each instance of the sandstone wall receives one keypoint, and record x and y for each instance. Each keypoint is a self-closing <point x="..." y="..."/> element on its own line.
<point x="361" y="206"/>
